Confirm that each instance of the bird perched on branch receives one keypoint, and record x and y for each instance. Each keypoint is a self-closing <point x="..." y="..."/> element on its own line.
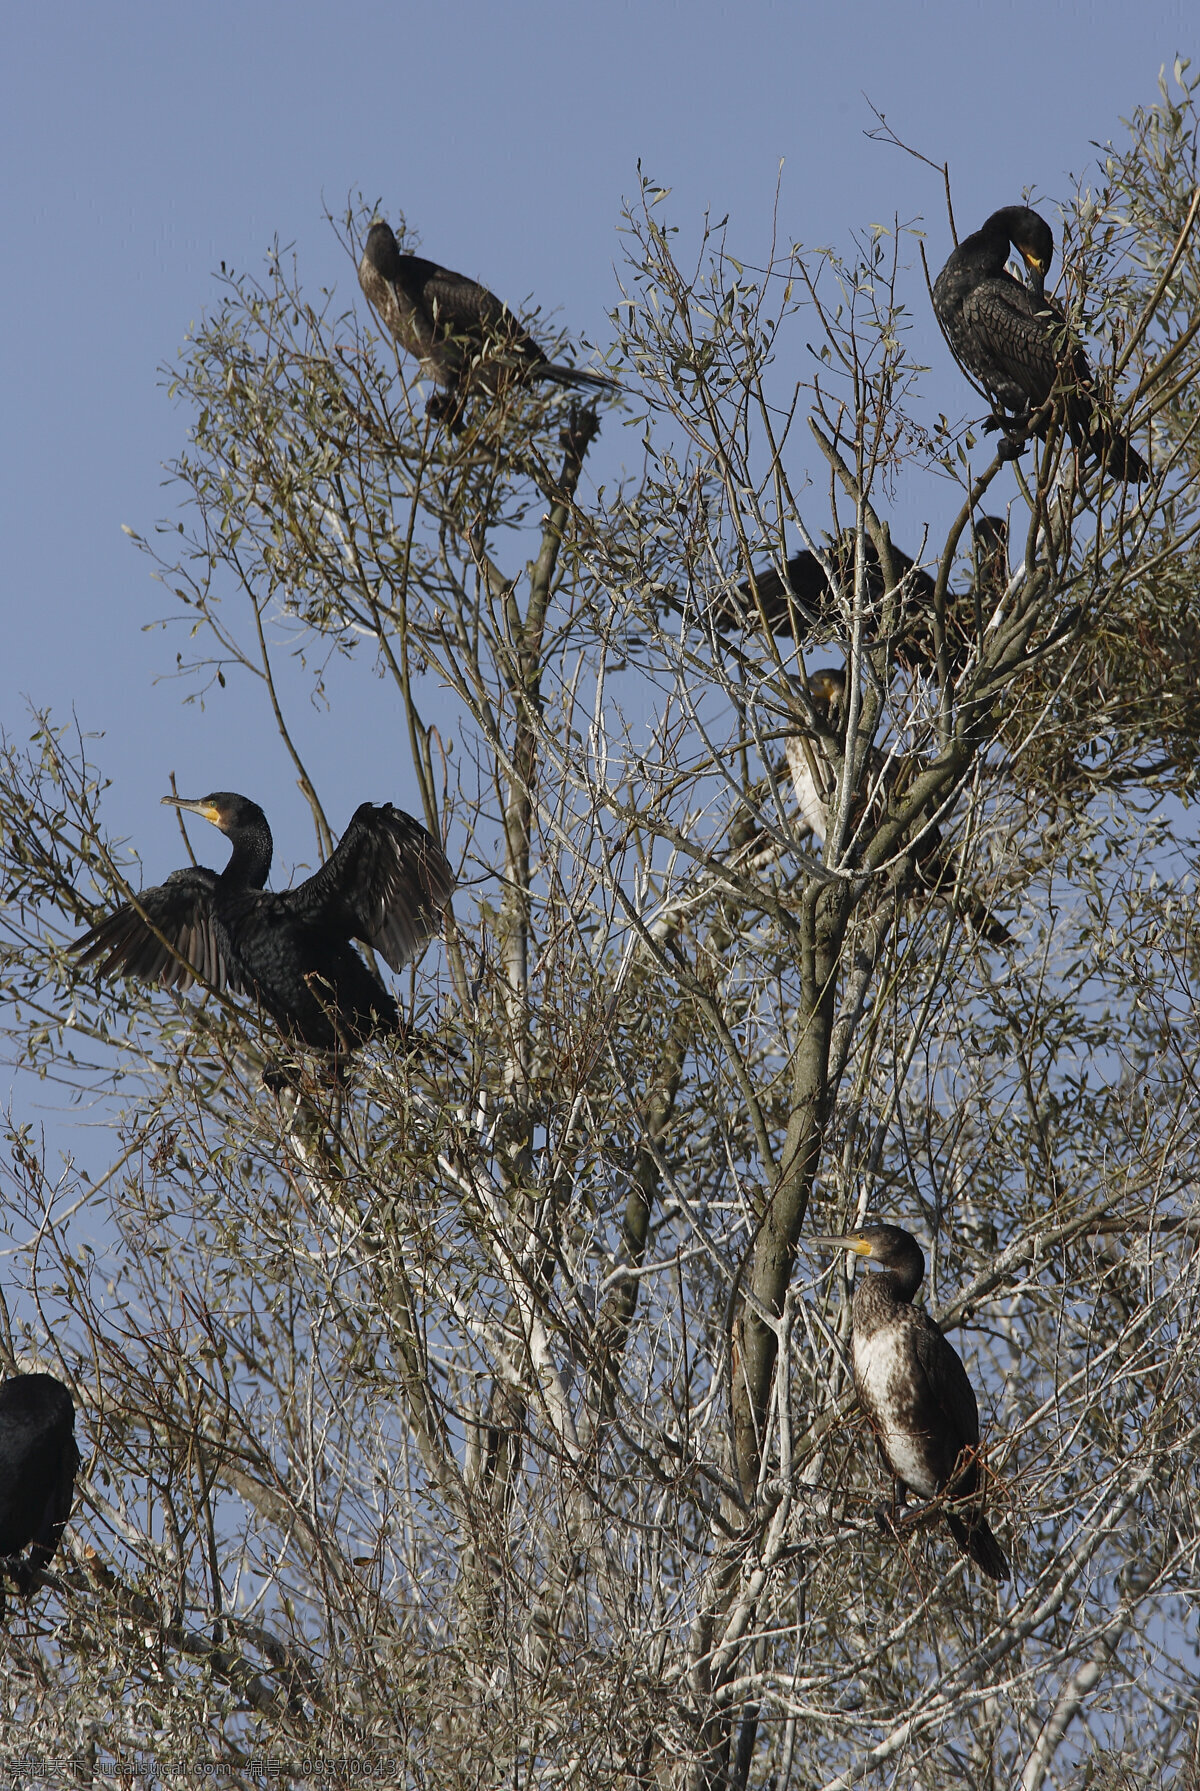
<point x="914" y="1389"/>
<point x="38" y="1462"/>
<point x="385" y="885"/>
<point x="813" y="763"/>
<point x="464" y="337"/>
<point x="1017" y="343"/>
<point x="800" y="602"/>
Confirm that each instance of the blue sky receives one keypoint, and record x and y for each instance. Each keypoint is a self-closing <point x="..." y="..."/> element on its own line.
<point x="145" y="144"/>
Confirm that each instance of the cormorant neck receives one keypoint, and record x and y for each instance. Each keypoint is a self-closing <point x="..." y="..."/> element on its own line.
<point x="898" y="1284"/>
<point x="250" y="864"/>
<point x="990" y="244"/>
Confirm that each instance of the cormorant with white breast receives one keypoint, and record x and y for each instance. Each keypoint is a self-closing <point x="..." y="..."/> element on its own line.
<point x="1017" y="343"/>
<point x="38" y="1463"/>
<point x="464" y="337"/>
<point x="814" y="762"/>
<point x="914" y="1389"/>
<point x="385" y="885"/>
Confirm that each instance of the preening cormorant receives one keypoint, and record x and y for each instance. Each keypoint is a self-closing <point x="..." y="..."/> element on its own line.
<point x="38" y="1460"/>
<point x="814" y="781"/>
<point x="914" y="1389"/>
<point x="1016" y="341"/>
<point x="385" y="884"/>
<point x="464" y="337"/>
<point x="803" y="603"/>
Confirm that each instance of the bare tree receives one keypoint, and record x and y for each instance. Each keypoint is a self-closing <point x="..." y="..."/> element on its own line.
<point x="482" y="1421"/>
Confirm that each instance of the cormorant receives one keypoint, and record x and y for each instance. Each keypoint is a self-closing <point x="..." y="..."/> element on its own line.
<point x="814" y="781"/>
<point x="1017" y="342"/>
<point x="804" y="601"/>
<point x="38" y="1460"/>
<point x="291" y="953"/>
<point x="914" y="1389"/>
<point x="804" y="604"/>
<point x="464" y="337"/>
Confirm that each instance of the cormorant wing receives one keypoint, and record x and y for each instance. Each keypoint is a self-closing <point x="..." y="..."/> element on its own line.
<point x="947" y="1381"/>
<point x="800" y="599"/>
<point x="1012" y="333"/>
<point x="463" y="306"/>
<point x="170" y="933"/>
<point x="386" y="884"/>
<point x="59" y="1500"/>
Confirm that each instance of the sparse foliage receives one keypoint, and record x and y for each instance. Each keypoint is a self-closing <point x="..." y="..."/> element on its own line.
<point x="484" y="1420"/>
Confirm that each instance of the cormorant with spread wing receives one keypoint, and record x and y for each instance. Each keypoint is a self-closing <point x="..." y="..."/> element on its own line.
<point x="385" y="884"/>
<point x="38" y="1462"/>
<point x="1016" y="341"/>
<point x="914" y="1389"/>
<point x="464" y="337"/>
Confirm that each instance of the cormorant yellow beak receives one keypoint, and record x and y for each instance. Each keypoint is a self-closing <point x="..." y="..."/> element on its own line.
<point x="1038" y="268"/>
<point x="859" y="1245"/>
<point x="195" y="806"/>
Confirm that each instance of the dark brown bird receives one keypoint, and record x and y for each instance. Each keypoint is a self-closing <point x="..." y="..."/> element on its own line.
<point x="385" y="885"/>
<point x="38" y="1462"/>
<point x="464" y="337"/>
<point x="813" y="764"/>
<point x="1017" y="343"/>
<point x="914" y="1389"/>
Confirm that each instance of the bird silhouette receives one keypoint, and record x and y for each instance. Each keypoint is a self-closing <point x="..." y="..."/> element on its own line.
<point x="38" y="1462"/>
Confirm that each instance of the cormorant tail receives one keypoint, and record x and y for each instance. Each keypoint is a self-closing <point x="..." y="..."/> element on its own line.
<point x="976" y="1541"/>
<point x="981" y="920"/>
<point x="1122" y="460"/>
<point x="574" y="376"/>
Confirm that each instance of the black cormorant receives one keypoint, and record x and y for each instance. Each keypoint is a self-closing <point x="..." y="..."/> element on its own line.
<point x="804" y="604"/>
<point x="385" y="884"/>
<point x="1016" y="341"/>
<point x="803" y="600"/>
<point x="38" y="1460"/>
<point x="814" y="780"/>
<point x="464" y="337"/>
<point x="914" y="1389"/>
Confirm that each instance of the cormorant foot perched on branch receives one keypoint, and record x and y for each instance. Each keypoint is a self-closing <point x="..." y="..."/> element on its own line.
<point x="386" y="885"/>
<point x="914" y="1389"/>
<point x="1017" y="343"/>
<point x="464" y="337"/>
<point x="38" y="1461"/>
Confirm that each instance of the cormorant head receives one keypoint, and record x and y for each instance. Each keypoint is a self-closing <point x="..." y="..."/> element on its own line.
<point x="382" y="250"/>
<point x="232" y="814"/>
<point x="38" y="1397"/>
<point x="1030" y="236"/>
<point x="826" y="689"/>
<point x="888" y="1245"/>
